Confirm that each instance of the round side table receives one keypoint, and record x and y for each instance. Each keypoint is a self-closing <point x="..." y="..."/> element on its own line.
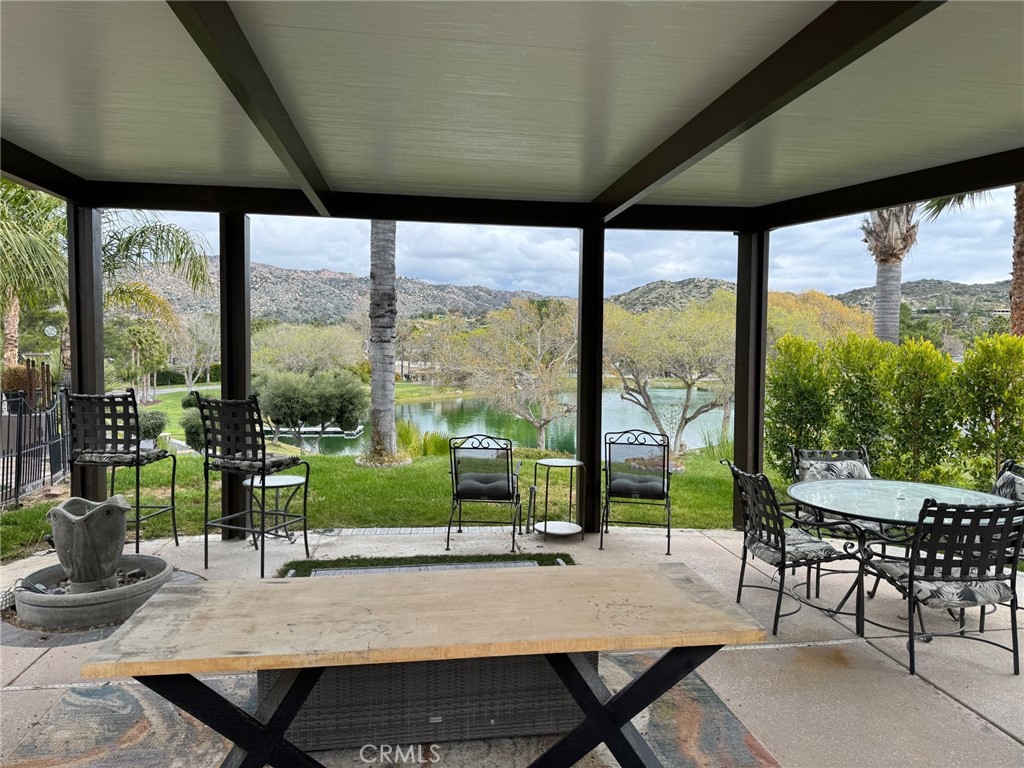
<point x="568" y="527"/>
<point x="287" y="485"/>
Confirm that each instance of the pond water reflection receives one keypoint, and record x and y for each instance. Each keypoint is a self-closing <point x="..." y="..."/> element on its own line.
<point x="468" y="415"/>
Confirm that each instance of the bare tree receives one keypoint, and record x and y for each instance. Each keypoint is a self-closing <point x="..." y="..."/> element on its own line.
<point x="693" y="346"/>
<point x="524" y="357"/>
<point x="194" y="347"/>
<point x="383" y="311"/>
<point x="445" y="347"/>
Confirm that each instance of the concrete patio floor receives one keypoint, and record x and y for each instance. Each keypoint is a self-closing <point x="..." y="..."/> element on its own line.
<point x="815" y="695"/>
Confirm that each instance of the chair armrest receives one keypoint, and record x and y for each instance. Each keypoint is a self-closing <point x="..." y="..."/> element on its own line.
<point x="846" y="526"/>
<point x="519" y="466"/>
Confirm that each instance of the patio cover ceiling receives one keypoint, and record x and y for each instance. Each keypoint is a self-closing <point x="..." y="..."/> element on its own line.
<point x="700" y="115"/>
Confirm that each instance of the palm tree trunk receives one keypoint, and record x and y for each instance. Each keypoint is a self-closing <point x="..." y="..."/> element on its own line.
<point x="383" y="311"/>
<point x="12" y="316"/>
<point x="1017" y="273"/>
<point x="888" y="279"/>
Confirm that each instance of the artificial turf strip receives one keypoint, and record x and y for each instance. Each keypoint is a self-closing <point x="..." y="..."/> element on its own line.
<point x="305" y="567"/>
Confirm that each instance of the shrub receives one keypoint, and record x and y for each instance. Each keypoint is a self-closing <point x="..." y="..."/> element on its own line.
<point x="408" y="438"/>
<point x="362" y="370"/>
<point x="798" y="399"/>
<point x="168" y="378"/>
<point x="921" y="425"/>
<point x="151" y="424"/>
<point x="14" y="378"/>
<point x="858" y="392"/>
<point x="989" y="387"/>
<point x="192" y="425"/>
<point x="436" y="443"/>
<point x="293" y="400"/>
<point x="188" y="401"/>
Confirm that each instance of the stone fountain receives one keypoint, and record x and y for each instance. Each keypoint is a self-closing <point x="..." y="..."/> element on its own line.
<point x="95" y="583"/>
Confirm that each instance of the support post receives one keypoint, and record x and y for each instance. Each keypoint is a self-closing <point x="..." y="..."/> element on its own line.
<point x="85" y="325"/>
<point x="589" y="375"/>
<point x="235" y="336"/>
<point x="751" y="354"/>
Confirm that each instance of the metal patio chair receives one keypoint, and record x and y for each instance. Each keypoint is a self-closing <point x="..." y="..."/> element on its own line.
<point x="482" y="473"/>
<point x="961" y="557"/>
<point x="637" y="471"/>
<point x="234" y="443"/>
<point x="768" y="536"/>
<point x="105" y="433"/>
<point x="809" y="464"/>
<point x="1010" y="481"/>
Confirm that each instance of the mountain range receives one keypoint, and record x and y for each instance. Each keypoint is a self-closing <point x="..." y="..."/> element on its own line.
<point x="323" y="296"/>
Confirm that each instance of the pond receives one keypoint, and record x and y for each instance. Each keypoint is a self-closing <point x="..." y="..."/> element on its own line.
<point x="469" y="415"/>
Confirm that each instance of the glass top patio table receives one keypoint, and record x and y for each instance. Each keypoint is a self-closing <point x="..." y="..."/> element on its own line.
<point x="888" y="501"/>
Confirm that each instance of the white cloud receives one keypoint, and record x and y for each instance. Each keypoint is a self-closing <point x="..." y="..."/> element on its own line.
<point x="972" y="245"/>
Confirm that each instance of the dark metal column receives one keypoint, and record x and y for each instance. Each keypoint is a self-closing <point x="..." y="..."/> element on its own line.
<point x="85" y="323"/>
<point x="235" y="335"/>
<point x="751" y="349"/>
<point x="589" y="375"/>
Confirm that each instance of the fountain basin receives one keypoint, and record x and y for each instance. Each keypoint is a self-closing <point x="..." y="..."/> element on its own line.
<point x="92" y="608"/>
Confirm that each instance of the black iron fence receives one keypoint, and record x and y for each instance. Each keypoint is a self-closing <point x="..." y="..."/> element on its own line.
<point x="33" y="447"/>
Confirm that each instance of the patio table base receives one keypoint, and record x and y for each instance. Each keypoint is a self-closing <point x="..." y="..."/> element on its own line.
<point x="260" y="739"/>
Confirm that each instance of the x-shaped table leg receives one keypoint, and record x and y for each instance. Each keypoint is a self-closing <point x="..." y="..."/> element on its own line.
<point x="258" y="740"/>
<point x="608" y="716"/>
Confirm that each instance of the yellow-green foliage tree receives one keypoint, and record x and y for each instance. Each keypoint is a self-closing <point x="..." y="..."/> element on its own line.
<point x="303" y="348"/>
<point x="694" y="346"/>
<point x="815" y="316"/>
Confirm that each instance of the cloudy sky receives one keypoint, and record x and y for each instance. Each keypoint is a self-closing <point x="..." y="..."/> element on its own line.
<point x="968" y="246"/>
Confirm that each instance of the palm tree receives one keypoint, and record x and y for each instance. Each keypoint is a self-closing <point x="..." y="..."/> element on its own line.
<point x="33" y="236"/>
<point x="132" y="240"/>
<point x="890" y="233"/>
<point x="935" y="207"/>
<point x="33" y="265"/>
<point x="383" y="311"/>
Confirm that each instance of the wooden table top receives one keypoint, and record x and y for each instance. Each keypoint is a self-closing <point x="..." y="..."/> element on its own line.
<point x="243" y="626"/>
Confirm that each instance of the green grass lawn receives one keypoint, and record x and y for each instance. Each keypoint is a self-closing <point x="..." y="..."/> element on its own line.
<point x="342" y="495"/>
<point x="169" y="404"/>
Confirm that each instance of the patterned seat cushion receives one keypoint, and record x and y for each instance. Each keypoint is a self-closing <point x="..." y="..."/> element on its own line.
<point x="1010" y="486"/>
<point x="944" y="594"/>
<point x="120" y="458"/>
<point x="486" y="486"/>
<point x="800" y="547"/>
<point x="242" y="462"/>
<point x="821" y="469"/>
<point x="637" y="486"/>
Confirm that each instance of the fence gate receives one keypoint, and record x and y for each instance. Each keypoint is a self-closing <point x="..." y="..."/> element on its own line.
<point x="33" y="449"/>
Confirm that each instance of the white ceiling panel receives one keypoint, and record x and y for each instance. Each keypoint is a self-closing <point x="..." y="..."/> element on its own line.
<point x="548" y="101"/>
<point x="508" y="100"/>
<point x="948" y="88"/>
<point x="119" y="91"/>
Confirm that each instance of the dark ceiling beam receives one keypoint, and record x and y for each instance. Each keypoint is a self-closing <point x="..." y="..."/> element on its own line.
<point x="998" y="170"/>
<point x="459" y="210"/>
<point x="346" y="205"/>
<point x="697" y="218"/>
<point x="196" y="197"/>
<point x="30" y="170"/>
<point x="216" y="31"/>
<point x="836" y="38"/>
